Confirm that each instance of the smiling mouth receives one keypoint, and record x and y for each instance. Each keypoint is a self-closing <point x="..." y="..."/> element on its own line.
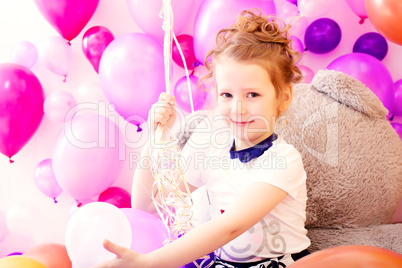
<point x="242" y="123"/>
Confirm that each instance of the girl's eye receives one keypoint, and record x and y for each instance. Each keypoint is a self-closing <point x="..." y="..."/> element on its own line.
<point x="252" y="95"/>
<point x="226" y="95"/>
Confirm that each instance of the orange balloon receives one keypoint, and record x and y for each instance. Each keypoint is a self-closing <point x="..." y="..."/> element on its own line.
<point x="351" y="257"/>
<point x="51" y="255"/>
<point x="19" y="262"/>
<point x="386" y="17"/>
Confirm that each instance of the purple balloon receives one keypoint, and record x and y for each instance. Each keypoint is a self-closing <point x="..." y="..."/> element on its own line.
<point x="149" y="233"/>
<point x="116" y="196"/>
<point x="132" y="75"/>
<point x="398" y="129"/>
<point x="370" y="71"/>
<point x="373" y="44"/>
<point x="294" y="2"/>
<point x="214" y="15"/>
<point x="45" y="179"/>
<point x="186" y="45"/>
<point x="94" y="42"/>
<point x="322" y="36"/>
<point x="397" y="105"/>
<point x="182" y="95"/>
<point x="21" y="107"/>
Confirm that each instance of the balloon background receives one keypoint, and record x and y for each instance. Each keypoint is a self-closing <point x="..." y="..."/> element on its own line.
<point x="21" y="21"/>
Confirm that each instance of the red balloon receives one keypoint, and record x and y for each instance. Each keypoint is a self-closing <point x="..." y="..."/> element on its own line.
<point x="21" y="107"/>
<point x="386" y="17"/>
<point x="350" y="256"/>
<point x="51" y="255"/>
<point x="186" y="44"/>
<point x="68" y="17"/>
<point x="94" y="42"/>
<point x="116" y="196"/>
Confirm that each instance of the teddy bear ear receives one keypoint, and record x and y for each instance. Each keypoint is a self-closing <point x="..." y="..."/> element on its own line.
<point x="350" y="92"/>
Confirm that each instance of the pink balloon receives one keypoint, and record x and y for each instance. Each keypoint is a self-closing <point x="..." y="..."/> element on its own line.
<point x="307" y="73"/>
<point x="148" y="231"/>
<point x="146" y="16"/>
<point x="57" y="55"/>
<point x="116" y="196"/>
<point x="315" y="8"/>
<point x="299" y="26"/>
<point x="186" y="45"/>
<point x="68" y="17"/>
<point x="213" y="15"/>
<point x="182" y="95"/>
<point x="359" y="8"/>
<point x="25" y="54"/>
<point x="59" y="106"/>
<point x="94" y="42"/>
<point x="45" y="180"/>
<point x="370" y="71"/>
<point x="21" y="107"/>
<point x="286" y="10"/>
<point x="132" y="75"/>
<point x="86" y="156"/>
<point x="397" y="105"/>
<point x="398" y="129"/>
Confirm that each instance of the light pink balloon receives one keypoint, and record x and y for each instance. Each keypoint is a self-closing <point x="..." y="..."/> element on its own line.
<point x="86" y="156"/>
<point x="307" y="73"/>
<point x="68" y="17"/>
<point x="56" y="54"/>
<point x="299" y="26"/>
<point x="315" y="8"/>
<point x="213" y="15"/>
<point x="359" y="8"/>
<point x="397" y="105"/>
<point x="3" y="226"/>
<point x="59" y="106"/>
<point x="146" y="15"/>
<point x="132" y="75"/>
<point x="286" y="10"/>
<point x="24" y="53"/>
<point x="45" y="180"/>
<point x="182" y="95"/>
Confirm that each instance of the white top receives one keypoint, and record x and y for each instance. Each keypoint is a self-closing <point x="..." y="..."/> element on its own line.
<point x="207" y="162"/>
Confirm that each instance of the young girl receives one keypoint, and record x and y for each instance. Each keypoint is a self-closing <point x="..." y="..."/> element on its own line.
<point x="256" y="183"/>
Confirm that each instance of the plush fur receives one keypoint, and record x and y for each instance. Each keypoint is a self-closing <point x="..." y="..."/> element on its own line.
<point x="353" y="160"/>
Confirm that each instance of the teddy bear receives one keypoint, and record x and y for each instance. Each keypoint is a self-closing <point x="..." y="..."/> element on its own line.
<point x="352" y="157"/>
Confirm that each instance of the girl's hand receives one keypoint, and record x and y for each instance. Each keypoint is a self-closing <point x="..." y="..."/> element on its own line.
<point x="163" y="112"/>
<point x="125" y="258"/>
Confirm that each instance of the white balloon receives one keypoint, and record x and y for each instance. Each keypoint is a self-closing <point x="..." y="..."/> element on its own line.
<point x="57" y="54"/>
<point x="314" y="8"/>
<point x="59" y="106"/>
<point x="89" y="226"/>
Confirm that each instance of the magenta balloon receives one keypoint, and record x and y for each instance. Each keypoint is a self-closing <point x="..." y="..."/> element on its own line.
<point x="397" y="105"/>
<point x="148" y="231"/>
<point x="186" y="44"/>
<point x="146" y="16"/>
<point x="116" y="196"/>
<point x="86" y="156"/>
<point x="398" y="129"/>
<point x="214" y="15"/>
<point x="68" y="17"/>
<point x="46" y="181"/>
<point x="182" y="95"/>
<point x="94" y="42"/>
<point x="132" y="75"/>
<point x="370" y="71"/>
<point x="21" y="107"/>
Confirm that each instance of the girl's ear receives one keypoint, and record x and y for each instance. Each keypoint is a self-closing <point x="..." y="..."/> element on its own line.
<point x="287" y="97"/>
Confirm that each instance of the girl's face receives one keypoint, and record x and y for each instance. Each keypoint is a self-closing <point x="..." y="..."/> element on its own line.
<point x="247" y="99"/>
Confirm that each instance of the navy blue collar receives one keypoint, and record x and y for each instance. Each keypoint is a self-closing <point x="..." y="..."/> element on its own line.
<point x="256" y="151"/>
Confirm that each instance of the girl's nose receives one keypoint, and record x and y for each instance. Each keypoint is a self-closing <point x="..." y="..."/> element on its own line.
<point x="238" y="107"/>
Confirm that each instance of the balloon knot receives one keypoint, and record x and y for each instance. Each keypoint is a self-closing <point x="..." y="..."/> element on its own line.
<point x="55" y="201"/>
<point x="11" y="161"/>
<point x="362" y="20"/>
<point x="68" y="42"/>
<point x="65" y="78"/>
<point x="139" y="129"/>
